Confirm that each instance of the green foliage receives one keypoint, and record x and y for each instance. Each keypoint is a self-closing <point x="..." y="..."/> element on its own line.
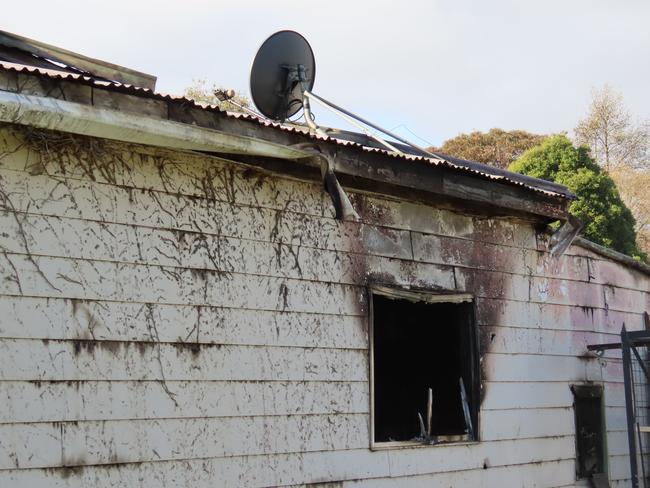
<point x="607" y="220"/>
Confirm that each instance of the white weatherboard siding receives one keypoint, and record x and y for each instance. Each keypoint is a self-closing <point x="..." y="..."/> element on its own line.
<point x="168" y="319"/>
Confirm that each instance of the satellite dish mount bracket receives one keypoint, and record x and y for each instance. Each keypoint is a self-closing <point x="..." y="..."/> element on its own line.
<point x="295" y="74"/>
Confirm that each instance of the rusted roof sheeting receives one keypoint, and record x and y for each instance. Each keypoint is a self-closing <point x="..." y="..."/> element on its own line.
<point x="485" y="171"/>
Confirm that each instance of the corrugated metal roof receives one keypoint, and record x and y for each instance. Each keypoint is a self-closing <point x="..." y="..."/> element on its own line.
<point x="482" y="170"/>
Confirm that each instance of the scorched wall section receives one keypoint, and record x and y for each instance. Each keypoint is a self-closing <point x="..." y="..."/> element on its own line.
<point x="169" y="319"/>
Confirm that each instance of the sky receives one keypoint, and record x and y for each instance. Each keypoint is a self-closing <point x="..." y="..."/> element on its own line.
<point x="428" y="69"/>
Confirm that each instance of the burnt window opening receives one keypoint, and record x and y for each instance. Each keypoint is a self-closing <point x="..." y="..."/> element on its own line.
<point x="588" y="409"/>
<point x="423" y="347"/>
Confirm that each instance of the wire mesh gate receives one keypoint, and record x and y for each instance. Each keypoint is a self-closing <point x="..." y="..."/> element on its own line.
<point x="636" y="370"/>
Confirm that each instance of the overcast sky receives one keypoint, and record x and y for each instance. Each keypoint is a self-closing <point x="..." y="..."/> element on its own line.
<point x="434" y="67"/>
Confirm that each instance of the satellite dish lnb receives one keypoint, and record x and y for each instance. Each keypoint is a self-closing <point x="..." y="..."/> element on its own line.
<point x="282" y="70"/>
<point x="282" y="77"/>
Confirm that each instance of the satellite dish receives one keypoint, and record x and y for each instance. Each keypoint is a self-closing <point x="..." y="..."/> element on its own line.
<point x="282" y="70"/>
<point x="282" y="77"/>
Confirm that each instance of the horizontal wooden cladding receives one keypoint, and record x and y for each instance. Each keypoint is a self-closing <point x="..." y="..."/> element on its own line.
<point x="66" y="401"/>
<point x="525" y="395"/>
<point x="52" y="318"/>
<point x="510" y="313"/>
<point x="112" y="204"/>
<point x="617" y="442"/>
<point x="504" y="257"/>
<point x="101" y="280"/>
<point x="420" y="218"/>
<point x="75" y="199"/>
<point x="93" y="280"/>
<point x="89" y="240"/>
<point x="104" y="360"/>
<point x="51" y="444"/>
<point x="619" y="469"/>
<point x="56" y="318"/>
<point x="526" y="423"/>
<point x="81" y="443"/>
<point x="617" y="274"/>
<point x="519" y="340"/>
<point x="529" y="394"/>
<point x="180" y="173"/>
<point x="603" y="269"/>
<point x="543" y="368"/>
<point x="550" y="474"/>
<point x="127" y="244"/>
<point x="235" y="185"/>
<point x="499" y="257"/>
<point x="513" y="416"/>
<point x="405" y="462"/>
<point x="74" y="238"/>
<point x="551" y="290"/>
<point x="306" y="467"/>
<point x="291" y="228"/>
<point x="140" y="167"/>
<point x="187" y="177"/>
<point x="616" y="419"/>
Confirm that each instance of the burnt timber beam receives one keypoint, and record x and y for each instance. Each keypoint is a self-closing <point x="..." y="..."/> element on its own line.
<point x="431" y="185"/>
<point x="358" y="164"/>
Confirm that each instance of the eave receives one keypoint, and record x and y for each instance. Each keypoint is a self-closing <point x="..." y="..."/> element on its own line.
<point x="77" y="104"/>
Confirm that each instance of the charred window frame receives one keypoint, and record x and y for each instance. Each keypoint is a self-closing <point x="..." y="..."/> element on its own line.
<point x="423" y="346"/>
<point x="590" y="428"/>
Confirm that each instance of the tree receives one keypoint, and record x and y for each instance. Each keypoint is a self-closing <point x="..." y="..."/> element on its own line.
<point x="633" y="185"/>
<point x="611" y="135"/>
<point x="607" y="220"/>
<point x="200" y="92"/>
<point x="495" y="147"/>
<point x="622" y="147"/>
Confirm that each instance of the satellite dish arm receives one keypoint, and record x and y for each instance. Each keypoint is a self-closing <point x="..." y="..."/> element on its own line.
<point x="350" y="119"/>
<point x="344" y="112"/>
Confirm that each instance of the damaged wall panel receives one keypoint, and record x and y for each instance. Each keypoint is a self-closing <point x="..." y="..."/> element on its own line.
<point x="170" y="318"/>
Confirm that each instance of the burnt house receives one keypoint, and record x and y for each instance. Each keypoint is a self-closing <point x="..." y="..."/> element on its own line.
<point x="192" y="297"/>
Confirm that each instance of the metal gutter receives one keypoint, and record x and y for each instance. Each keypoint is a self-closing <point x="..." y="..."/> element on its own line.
<point x="76" y="118"/>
